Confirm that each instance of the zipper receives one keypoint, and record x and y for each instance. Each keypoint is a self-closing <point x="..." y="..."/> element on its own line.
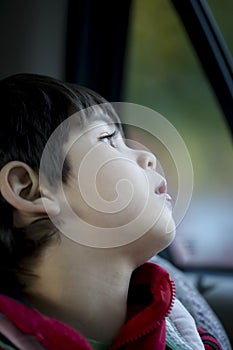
<point x="150" y="329"/>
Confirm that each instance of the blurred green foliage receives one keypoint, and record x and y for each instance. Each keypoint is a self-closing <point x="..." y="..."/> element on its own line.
<point x="162" y="72"/>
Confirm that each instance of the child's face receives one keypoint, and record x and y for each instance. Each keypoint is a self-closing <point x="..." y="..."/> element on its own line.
<point x="117" y="188"/>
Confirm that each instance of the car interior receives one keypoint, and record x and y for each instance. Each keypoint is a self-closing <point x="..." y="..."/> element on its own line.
<point x="174" y="57"/>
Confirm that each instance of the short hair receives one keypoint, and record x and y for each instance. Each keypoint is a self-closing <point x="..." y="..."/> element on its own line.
<point x="31" y="107"/>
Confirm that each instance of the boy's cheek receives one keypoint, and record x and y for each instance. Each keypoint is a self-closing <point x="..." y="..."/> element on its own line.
<point x="87" y="224"/>
<point x="119" y="193"/>
<point x="116" y="185"/>
<point x="115" y="194"/>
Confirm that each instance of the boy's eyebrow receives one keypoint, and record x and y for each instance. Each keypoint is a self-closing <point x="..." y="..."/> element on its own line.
<point x="102" y="116"/>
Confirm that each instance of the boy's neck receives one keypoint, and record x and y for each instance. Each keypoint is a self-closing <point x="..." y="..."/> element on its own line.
<point x="85" y="288"/>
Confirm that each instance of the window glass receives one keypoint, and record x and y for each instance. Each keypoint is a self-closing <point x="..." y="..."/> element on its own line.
<point x="163" y="73"/>
<point x="222" y="11"/>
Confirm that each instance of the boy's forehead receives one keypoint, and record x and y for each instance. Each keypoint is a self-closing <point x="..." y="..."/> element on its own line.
<point x="79" y="125"/>
<point x="100" y="115"/>
<point x="84" y="119"/>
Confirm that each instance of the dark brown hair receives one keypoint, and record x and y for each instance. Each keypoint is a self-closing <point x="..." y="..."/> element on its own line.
<point x="31" y="108"/>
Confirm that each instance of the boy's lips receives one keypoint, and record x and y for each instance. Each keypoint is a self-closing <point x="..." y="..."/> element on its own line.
<point x="168" y="198"/>
<point x="162" y="190"/>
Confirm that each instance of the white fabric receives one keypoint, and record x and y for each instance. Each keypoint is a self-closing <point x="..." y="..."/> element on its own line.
<point x="194" y="302"/>
<point x="181" y="329"/>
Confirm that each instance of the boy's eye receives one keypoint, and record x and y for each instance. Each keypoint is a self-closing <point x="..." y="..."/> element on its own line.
<point x="110" y="139"/>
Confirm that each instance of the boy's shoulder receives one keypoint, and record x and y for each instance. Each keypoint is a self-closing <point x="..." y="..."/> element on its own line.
<point x="152" y="317"/>
<point x="151" y="295"/>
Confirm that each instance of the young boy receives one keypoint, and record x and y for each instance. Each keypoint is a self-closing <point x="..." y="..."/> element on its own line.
<point x="73" y="274"/>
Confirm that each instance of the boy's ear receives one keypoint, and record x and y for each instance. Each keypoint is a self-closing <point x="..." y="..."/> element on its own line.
<point x="19" y="185"/>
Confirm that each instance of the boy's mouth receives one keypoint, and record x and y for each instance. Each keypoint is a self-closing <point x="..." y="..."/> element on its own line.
<point x="162" y="190"/>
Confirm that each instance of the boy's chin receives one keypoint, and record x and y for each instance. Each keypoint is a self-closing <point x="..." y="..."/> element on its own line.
<point x="168" y="234"/>
<point x="163" y="243"/>
<point x="160" y="238"/>
<point x="152" y="242"/>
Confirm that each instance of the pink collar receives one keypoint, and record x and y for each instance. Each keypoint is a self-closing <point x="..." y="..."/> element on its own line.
<point x="150" y="299"/>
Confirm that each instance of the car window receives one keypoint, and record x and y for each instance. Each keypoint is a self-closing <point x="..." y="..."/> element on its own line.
<point x="222" y="12"/>
<point x="163" y="73"/>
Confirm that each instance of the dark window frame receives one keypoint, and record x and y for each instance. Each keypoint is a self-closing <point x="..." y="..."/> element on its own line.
<point x="97" y="39"/>
<point x="211" y="49"/>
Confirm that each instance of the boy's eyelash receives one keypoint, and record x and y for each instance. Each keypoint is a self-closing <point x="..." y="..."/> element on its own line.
<point x="110" y="136"/>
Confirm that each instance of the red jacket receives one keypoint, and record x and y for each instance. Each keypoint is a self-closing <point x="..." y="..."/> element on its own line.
<point x="150" y="299"/>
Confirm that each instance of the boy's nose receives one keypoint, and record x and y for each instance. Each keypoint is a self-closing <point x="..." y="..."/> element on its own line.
<point x="146" y="159"/>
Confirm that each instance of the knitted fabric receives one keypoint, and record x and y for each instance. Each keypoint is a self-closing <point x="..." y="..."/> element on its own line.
<point x="189" y="296"/>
